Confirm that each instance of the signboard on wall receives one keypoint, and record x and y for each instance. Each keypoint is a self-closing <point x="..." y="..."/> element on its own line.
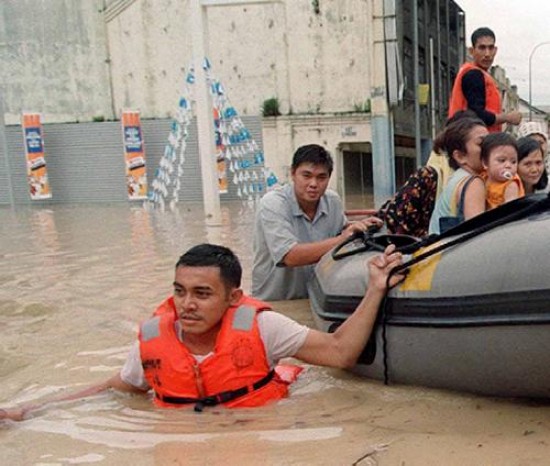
<point x="37" y="174"/>
<point x="134" y="154"/>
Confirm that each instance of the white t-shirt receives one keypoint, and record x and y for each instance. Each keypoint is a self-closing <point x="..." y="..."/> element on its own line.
<point x="282" y="338"/>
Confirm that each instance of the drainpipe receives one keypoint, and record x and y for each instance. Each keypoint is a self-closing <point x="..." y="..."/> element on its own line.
<point x="4" y="145"/>
<point x="383" y="159"/>
<point x="441" y="107"/>
<point x="108" y="62"/>
<point x="432" y="89"/>
<point x="417" y="141"/>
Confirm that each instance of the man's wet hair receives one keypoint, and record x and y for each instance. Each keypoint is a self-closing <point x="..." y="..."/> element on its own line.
<point x="312" y="153"/>
<point x="213" y="255"/>
<point x="482" y="32"/>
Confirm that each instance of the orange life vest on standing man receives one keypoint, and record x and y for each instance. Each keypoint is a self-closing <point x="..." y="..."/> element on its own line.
<point x="492" y="95"/>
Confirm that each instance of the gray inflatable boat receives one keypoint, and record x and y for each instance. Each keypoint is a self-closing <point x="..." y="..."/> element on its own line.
<point x="473" y="313"/>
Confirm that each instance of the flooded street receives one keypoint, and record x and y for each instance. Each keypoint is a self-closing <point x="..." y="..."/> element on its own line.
<point x="75" y="280"/>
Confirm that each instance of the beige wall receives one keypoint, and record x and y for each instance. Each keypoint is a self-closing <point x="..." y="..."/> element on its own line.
<point x="283" y="135"/>
<point x="314" y="64"/>
<point x="76" y="60"/>
<point x="53" y="60"/>
<point x="320" y="63"/>
<point x="149" y="47"/>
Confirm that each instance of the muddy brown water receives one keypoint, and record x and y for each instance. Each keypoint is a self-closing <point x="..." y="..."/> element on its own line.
<point x="76" y="280"/>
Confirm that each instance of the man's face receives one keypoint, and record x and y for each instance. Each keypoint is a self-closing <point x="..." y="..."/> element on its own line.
<point x="484" y="52"/>
<point x="201" y="299"/>
<point x="310" y="182"/>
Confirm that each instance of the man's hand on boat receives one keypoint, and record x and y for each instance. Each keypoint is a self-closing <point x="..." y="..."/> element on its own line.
<point x="381" y="266"/>
<point x="361" y="225"/>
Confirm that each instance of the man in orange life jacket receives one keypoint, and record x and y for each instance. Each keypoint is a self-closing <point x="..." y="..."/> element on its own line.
<point x="475" y="89"/>
<point x="209" y="344"/>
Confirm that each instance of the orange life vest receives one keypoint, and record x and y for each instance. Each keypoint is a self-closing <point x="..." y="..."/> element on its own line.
<point x="492" y="95"/>
<point x="236" y="374"/>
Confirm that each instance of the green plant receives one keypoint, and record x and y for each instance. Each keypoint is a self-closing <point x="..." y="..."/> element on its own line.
<point x="362" y="107"/>
<point x="270" y="107"/>
<point x="316" y="7"/>
<point x="98" y="118"/>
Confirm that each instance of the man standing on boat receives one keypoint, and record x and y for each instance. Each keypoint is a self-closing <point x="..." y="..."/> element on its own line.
<point x="209" y="344"/>
<point x="296" y="225"/>
<point x="475" y="89"/>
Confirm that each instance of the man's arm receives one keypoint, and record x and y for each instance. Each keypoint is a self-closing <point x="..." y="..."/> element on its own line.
<point x="512" y="118"/>
<point x="282" y="239"/>
<point x="343" y="347"/>
<point x="311" y="253"/>
<point x="115" y="382"/>
<point x="473" y="88"/>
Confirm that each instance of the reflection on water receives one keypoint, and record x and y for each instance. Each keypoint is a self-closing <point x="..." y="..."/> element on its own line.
<point x="74" y="282"/>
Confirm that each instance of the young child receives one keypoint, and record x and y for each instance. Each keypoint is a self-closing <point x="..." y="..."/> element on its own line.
<point x="499" y="156"/>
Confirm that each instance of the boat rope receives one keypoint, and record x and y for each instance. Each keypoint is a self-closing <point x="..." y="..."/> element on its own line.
<point x="384" y="336"/>
<point x="515" y="215"/>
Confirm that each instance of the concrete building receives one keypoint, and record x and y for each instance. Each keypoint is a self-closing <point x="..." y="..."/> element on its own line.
<point x="369" y="79"/>
<point x="54" y="60"/>
<point x="536" y="114"/>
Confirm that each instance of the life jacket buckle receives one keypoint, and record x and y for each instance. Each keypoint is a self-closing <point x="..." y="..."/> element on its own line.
<point x="206" y="401"/>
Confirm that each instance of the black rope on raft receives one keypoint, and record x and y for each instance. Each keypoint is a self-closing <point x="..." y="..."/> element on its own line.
<point x="521" y="213"/>
<point x="384" y="337"/>
<point x="385" y="318"/>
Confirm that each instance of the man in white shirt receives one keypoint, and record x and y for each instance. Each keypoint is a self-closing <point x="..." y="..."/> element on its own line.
<point x="214" y="335"/>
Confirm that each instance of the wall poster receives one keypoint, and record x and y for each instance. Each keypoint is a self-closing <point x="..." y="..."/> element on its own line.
<point x="134" y="154"/>
<point x="37" y="174"/>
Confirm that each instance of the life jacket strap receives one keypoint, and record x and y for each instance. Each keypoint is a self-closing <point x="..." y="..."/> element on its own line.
<point x="218" y="398"/>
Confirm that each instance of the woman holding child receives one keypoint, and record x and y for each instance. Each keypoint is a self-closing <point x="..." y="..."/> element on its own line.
<point x="464" y="195"/>
<point x="482" y="172"/>
<point x="489" y="171"/>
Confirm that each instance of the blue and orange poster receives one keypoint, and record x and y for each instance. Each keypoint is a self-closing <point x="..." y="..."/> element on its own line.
<point x="134" y="154"/>
<point x="37" y="174"/>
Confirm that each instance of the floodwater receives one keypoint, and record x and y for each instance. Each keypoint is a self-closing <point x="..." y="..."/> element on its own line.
<point x="76" y="280"/>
